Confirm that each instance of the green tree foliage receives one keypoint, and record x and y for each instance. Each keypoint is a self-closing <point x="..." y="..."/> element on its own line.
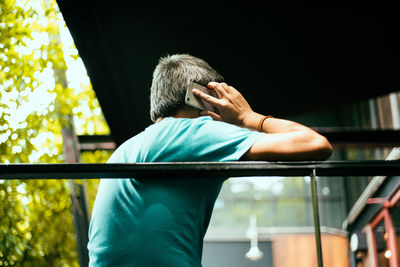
<point x="36" y="99"/>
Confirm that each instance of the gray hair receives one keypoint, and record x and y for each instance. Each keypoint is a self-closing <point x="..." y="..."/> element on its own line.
<point x="171" y="77"/>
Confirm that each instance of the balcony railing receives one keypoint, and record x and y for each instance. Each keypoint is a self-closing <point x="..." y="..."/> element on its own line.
<point x="208" y="169"/>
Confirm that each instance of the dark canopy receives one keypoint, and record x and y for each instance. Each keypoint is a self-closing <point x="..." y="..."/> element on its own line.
<point x="285" y="62"/>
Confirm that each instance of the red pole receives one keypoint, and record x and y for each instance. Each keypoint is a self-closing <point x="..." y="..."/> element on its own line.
<point x="391" y="241"/>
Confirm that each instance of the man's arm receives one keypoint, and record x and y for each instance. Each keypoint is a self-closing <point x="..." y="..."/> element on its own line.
<point x="283" y="139"/>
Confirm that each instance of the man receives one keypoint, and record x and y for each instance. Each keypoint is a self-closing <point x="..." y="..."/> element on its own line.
<point x="139" y="222"/>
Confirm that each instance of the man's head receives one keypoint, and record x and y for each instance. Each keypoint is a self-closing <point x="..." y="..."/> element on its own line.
<point x="172" y="77"/>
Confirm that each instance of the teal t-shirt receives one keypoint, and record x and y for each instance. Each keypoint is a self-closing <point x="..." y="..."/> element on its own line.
<point x="154" y="223"/>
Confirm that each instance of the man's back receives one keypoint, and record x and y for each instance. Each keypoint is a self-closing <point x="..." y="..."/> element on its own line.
<point x="162" y="222"/>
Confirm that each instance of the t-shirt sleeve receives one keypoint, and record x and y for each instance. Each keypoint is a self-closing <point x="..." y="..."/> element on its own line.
<point x="117" y="156"/>
<point x="220" y="141"/>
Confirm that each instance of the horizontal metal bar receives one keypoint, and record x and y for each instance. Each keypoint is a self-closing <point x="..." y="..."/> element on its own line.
<point x="198" y="169"/>
<point x="367" y="138"/>
<point x="90" y="139"/>
<point x="97" y="146"/>
<point x="358" y="135"/>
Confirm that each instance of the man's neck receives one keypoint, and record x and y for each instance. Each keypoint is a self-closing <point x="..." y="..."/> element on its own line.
<point x="186" y="112"/>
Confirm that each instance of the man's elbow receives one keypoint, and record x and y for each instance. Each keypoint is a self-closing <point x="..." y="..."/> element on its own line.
<point x="322" y="148"/>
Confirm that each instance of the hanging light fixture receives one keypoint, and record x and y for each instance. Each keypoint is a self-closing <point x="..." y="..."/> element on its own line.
<point x="254" y="253"/>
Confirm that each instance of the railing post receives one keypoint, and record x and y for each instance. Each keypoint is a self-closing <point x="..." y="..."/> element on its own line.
<point x="317" y="227"/>
<point x="79" y="198"/>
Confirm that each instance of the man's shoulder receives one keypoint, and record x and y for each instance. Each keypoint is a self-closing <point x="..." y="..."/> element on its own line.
<point x="119" y="155"/>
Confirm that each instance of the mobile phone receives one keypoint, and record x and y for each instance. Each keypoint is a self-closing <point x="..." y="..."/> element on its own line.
<point x="197" y="102"/>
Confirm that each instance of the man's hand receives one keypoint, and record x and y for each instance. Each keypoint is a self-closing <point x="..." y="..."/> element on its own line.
<point x="283" y="139"/>
<point x="231" y="105"/>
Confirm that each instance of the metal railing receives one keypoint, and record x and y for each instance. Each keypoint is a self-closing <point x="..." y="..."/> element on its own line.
<point x="209" y="169"/>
